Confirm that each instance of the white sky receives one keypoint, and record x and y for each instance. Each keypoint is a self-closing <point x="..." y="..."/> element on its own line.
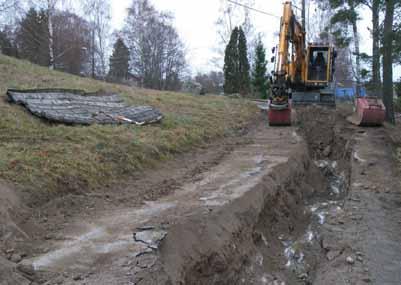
<point x="195" y="22"/>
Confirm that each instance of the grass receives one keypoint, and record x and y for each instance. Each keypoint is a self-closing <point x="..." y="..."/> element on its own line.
<point x="53" y="158"/>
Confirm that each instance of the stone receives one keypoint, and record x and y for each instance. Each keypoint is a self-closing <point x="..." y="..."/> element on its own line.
<point x="26" y="268"/>
<point x="151" y="237"/>
<point x="303" y="276"/>
<point x="77" y="277"/>
<point x="16" y="258"/>
<point x="10" y="251"/>
<point x="350" y="260"/>
<point x="327" y="151"/>
<point x="8" y="274"/>
<point x="146" y="261"/>
<point x="332" y="254"/>
<point x="367" y="280"/>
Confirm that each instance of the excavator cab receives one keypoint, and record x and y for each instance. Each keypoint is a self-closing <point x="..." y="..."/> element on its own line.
<point x="318" y="64"/>
<point x="318" y="87"/>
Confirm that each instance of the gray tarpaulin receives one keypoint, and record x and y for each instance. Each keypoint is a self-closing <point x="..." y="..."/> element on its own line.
<point x="77" y="107"/>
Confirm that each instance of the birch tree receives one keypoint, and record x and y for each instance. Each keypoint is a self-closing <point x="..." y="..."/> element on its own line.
<point x="98" y="13"/>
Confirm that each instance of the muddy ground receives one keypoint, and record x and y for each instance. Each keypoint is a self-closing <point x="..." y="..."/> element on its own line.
<point x="316" y="203"/>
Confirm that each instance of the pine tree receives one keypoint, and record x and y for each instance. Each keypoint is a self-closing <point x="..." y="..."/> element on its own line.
<point x="259" y="71"/>
<point x="231" y="83"/>
<point x="243" y="64"/>
<point x="33" y="37"/>
<point x="119" y="61"/>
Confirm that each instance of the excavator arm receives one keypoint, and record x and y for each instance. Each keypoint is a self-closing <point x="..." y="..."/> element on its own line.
<point x="290" y="59"/>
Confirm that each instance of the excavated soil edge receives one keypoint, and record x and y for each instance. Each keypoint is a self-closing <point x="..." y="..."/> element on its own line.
<point x="240" y="242"/>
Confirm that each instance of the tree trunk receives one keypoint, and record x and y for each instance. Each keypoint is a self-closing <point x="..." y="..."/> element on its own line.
<point x="356" y="50"/>
<point x="357" y="58"/>
<point x="93" y="51"/>
<point x="376" y="48"/>
<point x="388" y="62"/>
<point x="50" y="14"/>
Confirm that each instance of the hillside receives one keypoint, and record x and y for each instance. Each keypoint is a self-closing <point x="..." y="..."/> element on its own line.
<point x="48" y="158"/>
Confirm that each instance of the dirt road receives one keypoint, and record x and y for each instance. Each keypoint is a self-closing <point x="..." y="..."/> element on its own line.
<point x="368" y="231"/>
<point x="318" y="203"/>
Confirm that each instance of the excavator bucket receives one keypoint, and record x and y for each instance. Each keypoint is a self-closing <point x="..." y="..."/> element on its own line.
<point x="280" y="117"/>
<point x="370" y="111"/>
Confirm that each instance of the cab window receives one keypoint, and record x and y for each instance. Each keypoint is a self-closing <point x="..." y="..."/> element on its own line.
<point x="317" y="66"/>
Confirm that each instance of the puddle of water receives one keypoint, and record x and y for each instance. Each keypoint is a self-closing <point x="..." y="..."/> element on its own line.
<point x="70" y="247"/>
<point x="293" y="253"/>
<point x="101" y="239"/>
<point x="114" y="246"/>
<point x="336" y="180"/>
<point x="294" y="249"/>
<point x="310" y="235"/>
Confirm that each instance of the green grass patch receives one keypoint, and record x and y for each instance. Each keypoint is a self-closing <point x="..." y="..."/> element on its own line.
<point x="51" y="158"/>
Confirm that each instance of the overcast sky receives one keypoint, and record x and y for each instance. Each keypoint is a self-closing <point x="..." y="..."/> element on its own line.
<point x="195" y="22"/>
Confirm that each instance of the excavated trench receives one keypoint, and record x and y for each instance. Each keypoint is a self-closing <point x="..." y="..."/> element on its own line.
<point x="256" y="217"/>
<point x="273" y="233"/>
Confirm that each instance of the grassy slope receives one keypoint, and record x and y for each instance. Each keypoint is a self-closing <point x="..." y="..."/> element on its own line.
<point x="54" y="158"/>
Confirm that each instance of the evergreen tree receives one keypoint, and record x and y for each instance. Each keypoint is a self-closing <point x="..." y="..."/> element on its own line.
<point x="7" y="46"/>
<point x="33" y="37"/>
<point x="231" y="83"/>
<point x="243" y="64"/>
<point x="119" y="61"/>
<point x="259" y="71"/>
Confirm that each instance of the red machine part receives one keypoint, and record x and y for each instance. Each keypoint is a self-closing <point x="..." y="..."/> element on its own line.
<point x="280" y="117"/>
<point x="370" y="111"/>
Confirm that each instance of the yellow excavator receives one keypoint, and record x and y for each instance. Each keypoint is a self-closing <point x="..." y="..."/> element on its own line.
<point x="302" y="75"/>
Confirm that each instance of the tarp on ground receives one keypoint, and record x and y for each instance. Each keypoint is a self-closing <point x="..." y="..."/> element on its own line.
<point x="78" y="107"/>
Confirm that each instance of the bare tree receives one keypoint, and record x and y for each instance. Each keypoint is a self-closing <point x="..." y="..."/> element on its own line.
<point x="157" y="53"/>
<point x="71" y="39"/>
<point x="98" y="13"/>
<point x="232" y="15"/>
